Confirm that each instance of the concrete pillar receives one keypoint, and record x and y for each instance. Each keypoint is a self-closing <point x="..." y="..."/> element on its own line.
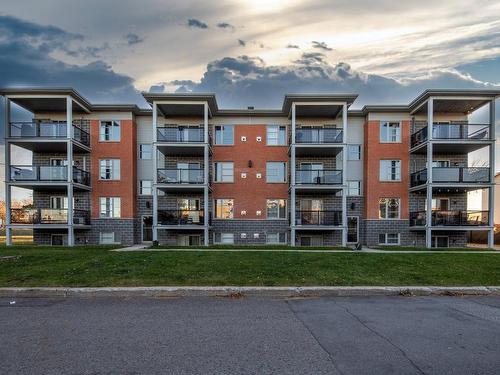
<point x="69" y="158"/>
<point x="491" y="195"/>
<point x="344" y="176"/>
<point x="292" y="179"/>
<point x="206" y="164"/>
<point x="8" y="231"/>
<point x="155" y="172"/>
<point x="428" y="209"/>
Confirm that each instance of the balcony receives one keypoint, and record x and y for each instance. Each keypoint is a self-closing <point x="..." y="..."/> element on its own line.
<point x="50" y="216"/>
<point x="47" y="131"/>
<point x="315" y="219"/>
<point x="188" y="218"/>
<point x="318" y="141"/>
<point x="452" y="175"/>
<point x="46" y="173"/>
<point x="455" y="218"/>
<point x="327" y="180"/>
<point x="446" y="134"/>
<point x="181" y="141"/>
<point x="181" y="180"/>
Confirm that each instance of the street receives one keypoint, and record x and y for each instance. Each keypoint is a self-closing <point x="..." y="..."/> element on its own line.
<point x="347" y="335"/>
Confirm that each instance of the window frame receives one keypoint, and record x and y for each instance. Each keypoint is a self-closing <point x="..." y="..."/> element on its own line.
<point x="222" y="135"/>
<point x="279" y="209"/>
<point x="221" y="234"/>
<point x="141" y="153"/>
<point x="349" y="152"/>
<point x="112" y="169"/>
<point x="278" y="234"/>
<point x="102" y="135"/>
<point x="387" y="132"/>
<point x="215" y="211"/>
<point x="398" y="171"/>
<point x="278" y="132"/>
<point x="386" y="236"/>
<point x="215" y="175"/>
<point x="387" y="208"/>
<point x="349" y="189"/>
<point x="285" y="169"/>
<point x="141" y="193"/>
<point x="112" y="208"/>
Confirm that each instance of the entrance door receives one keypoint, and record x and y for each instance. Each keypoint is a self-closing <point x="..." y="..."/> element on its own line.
<point x="147" y="228"/>
<point x="352" y="229"/>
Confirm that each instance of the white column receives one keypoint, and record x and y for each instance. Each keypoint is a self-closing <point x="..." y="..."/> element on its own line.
<point x="344" y="176"/>
<point x="428" y="208"/>
<point x="206" y="166"/>
<point x="8" y="231"/>
<point x="69" y="158"/>
<point x="292" y="180"/>
<point x="155" y="172"/>
<point x="491" y="195"/>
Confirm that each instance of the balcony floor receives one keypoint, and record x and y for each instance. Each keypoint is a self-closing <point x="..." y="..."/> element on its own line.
<point x="450" y="188"/>
<point x="317" y="227"/>
<point x="181" y="149"/>
<point x="48" y="145"/>
<point x="48" y="186"/>
<point x="450" y="146"/>
<point x="312" y="149"/>
<point x="317" y="189"/>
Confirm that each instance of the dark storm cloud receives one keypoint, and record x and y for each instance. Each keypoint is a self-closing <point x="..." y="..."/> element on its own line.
<point x="321" y="45"/>
<point x="292" y="46"/>
<point x="197" y="24"/>
<point x="242" y="43"/>
<point x="225" y="25"/>
<point x="133" y="39"/>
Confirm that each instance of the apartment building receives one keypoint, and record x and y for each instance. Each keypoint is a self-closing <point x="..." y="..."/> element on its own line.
<point x="313" y="173"/>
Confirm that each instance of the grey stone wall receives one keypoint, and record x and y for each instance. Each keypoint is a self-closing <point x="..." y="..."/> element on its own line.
<point x="328" y="238"/>
<point x="125" y="232"/>
<point x="372" y="229"/>
<point x="262" y="227"/>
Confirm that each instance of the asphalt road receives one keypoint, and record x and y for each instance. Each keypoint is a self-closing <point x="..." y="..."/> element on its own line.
<point x="359" y="335"/>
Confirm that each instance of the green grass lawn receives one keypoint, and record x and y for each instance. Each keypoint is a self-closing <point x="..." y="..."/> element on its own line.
<point x="254" y="247"/>
<point x="413" y="248"/>
<point x="97" y="266"/>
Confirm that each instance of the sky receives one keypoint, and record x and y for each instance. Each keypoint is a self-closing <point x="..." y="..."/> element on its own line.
<point x="250" y="53"/>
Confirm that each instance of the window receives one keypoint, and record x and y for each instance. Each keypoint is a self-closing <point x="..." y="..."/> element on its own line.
<point x="354" y="152"/>
<point x="224" y="238"/>
<point x="388" y="238"/>
<point x="60" y="203"/>
<point x="109" y="131"/>
<point x="390" y="170"/>
<point x="276" y="135"/>
<point x="353" y="188"/>
<point x="224" y="135"/>
<point x="188" y="240"/>
<point x="224" y="171"/>
<point x="276" y="209"/>
<point x="110" y="207"/>
<point x="274" y="238"/>
<point x="57" y="240"/>
<point x="275" y="171"/>
<point x="146" y="187"/>
<point x="107" y="238"/>
<point x="390" y="132"/>
<point x="224" y="208"/>
<point x="440" y="241"/>
<point x="145" y="151"/>
<point x="109" y="169"/>
<point x="389" y="208"/>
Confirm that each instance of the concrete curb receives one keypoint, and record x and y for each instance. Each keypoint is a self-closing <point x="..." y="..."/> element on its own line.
<point x="237" y="291"/>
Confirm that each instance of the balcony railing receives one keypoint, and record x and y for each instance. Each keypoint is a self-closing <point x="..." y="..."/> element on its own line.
<point x="318" y="135"/>
<point x="180" y="176"/>
<point x="451" y="218"/>
<point x="318" y="217"/>
<point x="318" y="177"/>
<point x="47" y="129"/>
<point x="452" y="132"/>
<point x="48" y="216"/>
<point x="173" y="134"/>
<point x="181" y="217"/>
<point x="452" y="175"/>
<point x="26" y="173"/>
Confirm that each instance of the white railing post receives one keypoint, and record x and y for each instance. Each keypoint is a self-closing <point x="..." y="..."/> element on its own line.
<point x="292" y="179"/>
<point x="206" y="161"/>
<point x="491" y="195"/>
<point x="69" y="158"/>
<point x="155" y="171"/>
<point x="428" y="208"/>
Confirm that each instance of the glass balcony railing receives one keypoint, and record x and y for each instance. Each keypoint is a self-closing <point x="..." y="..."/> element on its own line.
<point x="452" y="175"/>
<point x="318" y="135"/>
<point x="181" y="217"/>
<point x="180" y="176"/>
<point x="48" y="216"/>
<point x="48" y="129"/>
<point x="26" y="173"/>
<point x="318" y="177"/>
<point x="312" y="217"/>
<point x="451" y="218"/>
<point x="174" y="134"/>
<point x="452" y="132"/>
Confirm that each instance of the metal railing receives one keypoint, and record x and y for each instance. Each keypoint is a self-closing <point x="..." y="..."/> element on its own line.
<point x="173" y="134"/>
<point x="48" y="129"/>
<point x="181" y="217"/>
<point x="58" y="173"/>
<point x="48" y="216"/>
<point x="452" y="132"/>
<point x="451" y="218"/>
<point x="318" y="177"/>
<point x="319" y="135"/>
<point x="452" y="175"/>
<point x="180" y="176"/>
<point x="311" y="217"/>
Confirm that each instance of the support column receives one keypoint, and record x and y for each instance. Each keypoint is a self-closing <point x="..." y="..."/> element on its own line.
<point x="8" y="231"/>
<point x="491" y="195"/>
<point x="155" y="172"/>
<point x="428" y="208"/>
<point x="292" y="180"/>
<point x="69" y="158"/>
<point x="344" y="176"/>
<point x="206" y="166"/>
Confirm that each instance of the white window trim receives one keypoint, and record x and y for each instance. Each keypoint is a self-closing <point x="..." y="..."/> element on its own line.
<point x="390" y="244"/>
<point x="140" y="188"/>
<point x="215" y="172"/>
<point x="390" y="122"/>
<point x="112" y="168"/>
<point x="109" y="140"/>
<point x="110" y="217"/>
<point x="222" y="129"/>
<point x="360" y="152"/>
<point x="285" y="174"/>
<point x="399" y="209"/>
<point x="278" y="136"/>
<point x="400" y="170"/>
<point x="359" y="189"/>
<point x="140" y="152"/>
<point x="286" y="209"/>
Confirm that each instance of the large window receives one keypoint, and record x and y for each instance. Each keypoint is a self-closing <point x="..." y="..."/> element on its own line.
<point x="109" y="169"/>
<point x="109" y="131"/>
<point x="146" y="187"/>
<point x="388" y="238"/>
<point x="224" y="135"/>
<point x="389" y="208"/>
<point x="354" y="152"/>
<point x="276" y="135"/>
<point x="275" y="171"/>
<point x="107" y="238"/>
<point x="276" y="238"/>
<point x="276" y="209"/>
<point x="110" y="207"/>
<point x="390" y="132"/>
<point x="390" y="170"/>
<point x="224" y="208"/>
<point x="227" y="238"/>
<point x="145" y="151"/>
<point x="353" y="188"/>
<point x="224" y="171"/>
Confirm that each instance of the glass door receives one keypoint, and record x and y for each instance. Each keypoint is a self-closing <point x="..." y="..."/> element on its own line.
<point x="352" y="229"/>
<point x="188" y="172"/>
<point x="311" y="211"/>
<point x="147" y="228"/>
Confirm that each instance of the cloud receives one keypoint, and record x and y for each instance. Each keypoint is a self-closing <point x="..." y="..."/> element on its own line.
<point x="292" y="46"/>
<point x="193" y="22"/>
<point x="245" y="80"/>
<point x="321" y="45"/>
<point x="225" y="25"/>
<point x="133" y="39"/>
<point x="242" y="43"/>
